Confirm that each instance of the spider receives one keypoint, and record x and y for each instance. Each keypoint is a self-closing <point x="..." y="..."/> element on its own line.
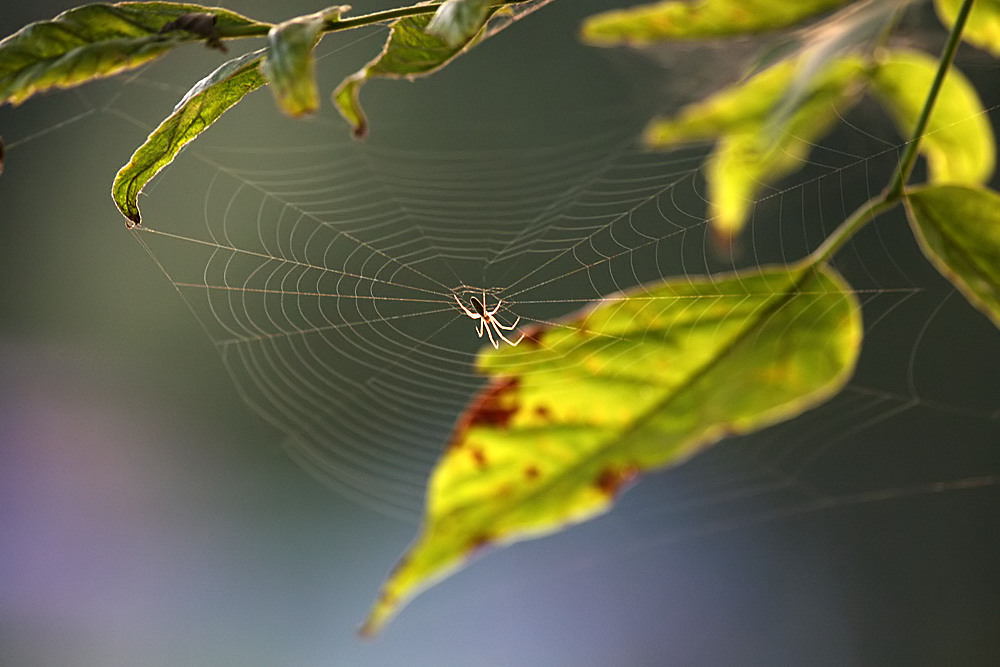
<point x="487" y="319"/>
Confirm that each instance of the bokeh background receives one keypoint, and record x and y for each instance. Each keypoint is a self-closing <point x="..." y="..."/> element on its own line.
<point x="147" y="516"/>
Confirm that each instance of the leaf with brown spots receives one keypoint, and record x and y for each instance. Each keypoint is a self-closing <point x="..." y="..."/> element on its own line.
<point x="640" y="382"/>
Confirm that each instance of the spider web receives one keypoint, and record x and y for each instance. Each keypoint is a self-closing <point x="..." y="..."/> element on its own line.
<point x="328" y="273"/>
<point x="325" y="272"/>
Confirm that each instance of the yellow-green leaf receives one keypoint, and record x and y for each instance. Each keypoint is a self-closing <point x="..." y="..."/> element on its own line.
<point x="348" y="102"/>
<point x="982" y="28"/>
<point x="701" y="19"/>
<point x="575" y="412"/>
<point x="99" y="40"/>
<point x="959" y="230"/>
<point x="200" y="107"/>
<point x="757" y="145"/>
<point x="289" y="64"/>
<point x="409" y="52"/>
<point x="958" y="144"/>
<point x="456" y="21"/>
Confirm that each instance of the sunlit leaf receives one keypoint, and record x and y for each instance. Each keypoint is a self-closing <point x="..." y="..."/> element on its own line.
<point x="958" y="144"/>
<point x="577" y="411"/>
<point x="457" y="21"/>
<point x="289" y="64"/>
<point x="982" y="28"/>
<point x="682" y="19"/>
<point x="409" y="52"/>
<point x="959" y="230"/>
<point x="757" y="145"/>
<point x="99" y="40"/>
<point x="200" y="107"/>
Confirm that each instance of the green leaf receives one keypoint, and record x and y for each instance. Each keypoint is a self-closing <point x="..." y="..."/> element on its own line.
<point x="100" y="40"/>
<point x="409" y="52"/>
<point x="574" y="413"/>
<point x="958" y="144"/>
<point x="959" y="230"/>
<point x="760" y="138"/>
<point x="200" y="107"/>
<point x="701" y="19"/>
<point x="289" y="63"/>
<point x="457" y="21"/>
<point x="982" y="28"/>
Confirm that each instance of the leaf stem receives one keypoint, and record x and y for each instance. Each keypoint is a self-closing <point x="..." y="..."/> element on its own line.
<point x="894" y="193"/>
<point x="947" y="56"/>
<point x="334" y="25"/>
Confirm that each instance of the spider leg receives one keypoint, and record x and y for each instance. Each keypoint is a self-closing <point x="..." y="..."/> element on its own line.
<point x="489" y="332"/>
<point x="507" y="340"/>
<point x="482" y="325"/>
<point x="507" y="327"/>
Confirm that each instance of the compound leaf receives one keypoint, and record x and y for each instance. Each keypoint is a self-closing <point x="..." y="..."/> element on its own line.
<point x="577" y="411"/>
<point x="982" y="28"/>
<point x="958" y="144"/>
<point x="99" y="40"/>
<point x="199" y="108"/>
<point x="959" y="231"/>
<point x="702" y="19"/>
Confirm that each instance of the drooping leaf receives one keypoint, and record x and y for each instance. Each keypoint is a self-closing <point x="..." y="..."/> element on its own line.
<point x="982" y="28"/>
<point x="575" y="412"/>
<point x="959" y="230"/>
<point x="409" y="52"/>
<point x="99" y="40"/>
<point x="701" y="19"/>
<point x="761" y="135"/>
<point x="456" y="21"/>
<point x="197" y="110"/>
<point x="289" y="63"/>
<point x="959" y="143"/>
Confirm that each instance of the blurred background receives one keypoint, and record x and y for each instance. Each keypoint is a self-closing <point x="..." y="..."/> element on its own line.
<point x="148" y="516"/>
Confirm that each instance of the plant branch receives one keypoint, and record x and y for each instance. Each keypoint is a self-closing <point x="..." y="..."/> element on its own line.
<point x="894" y="193"/>
<point x="947" y="56"/>
<point x="334" y="25"/>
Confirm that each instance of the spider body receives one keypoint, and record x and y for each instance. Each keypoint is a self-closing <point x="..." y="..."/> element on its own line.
<point x="488" y="322"/>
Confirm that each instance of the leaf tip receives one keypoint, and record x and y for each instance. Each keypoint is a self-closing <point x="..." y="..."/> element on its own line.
<point x="131" y="213"/>
<point x="121" y="193"/>
<point x="346" y="99"/>
<point x="614" y="479"/>
<point x="382" y="611"/>
<point x="725" y="242"/>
